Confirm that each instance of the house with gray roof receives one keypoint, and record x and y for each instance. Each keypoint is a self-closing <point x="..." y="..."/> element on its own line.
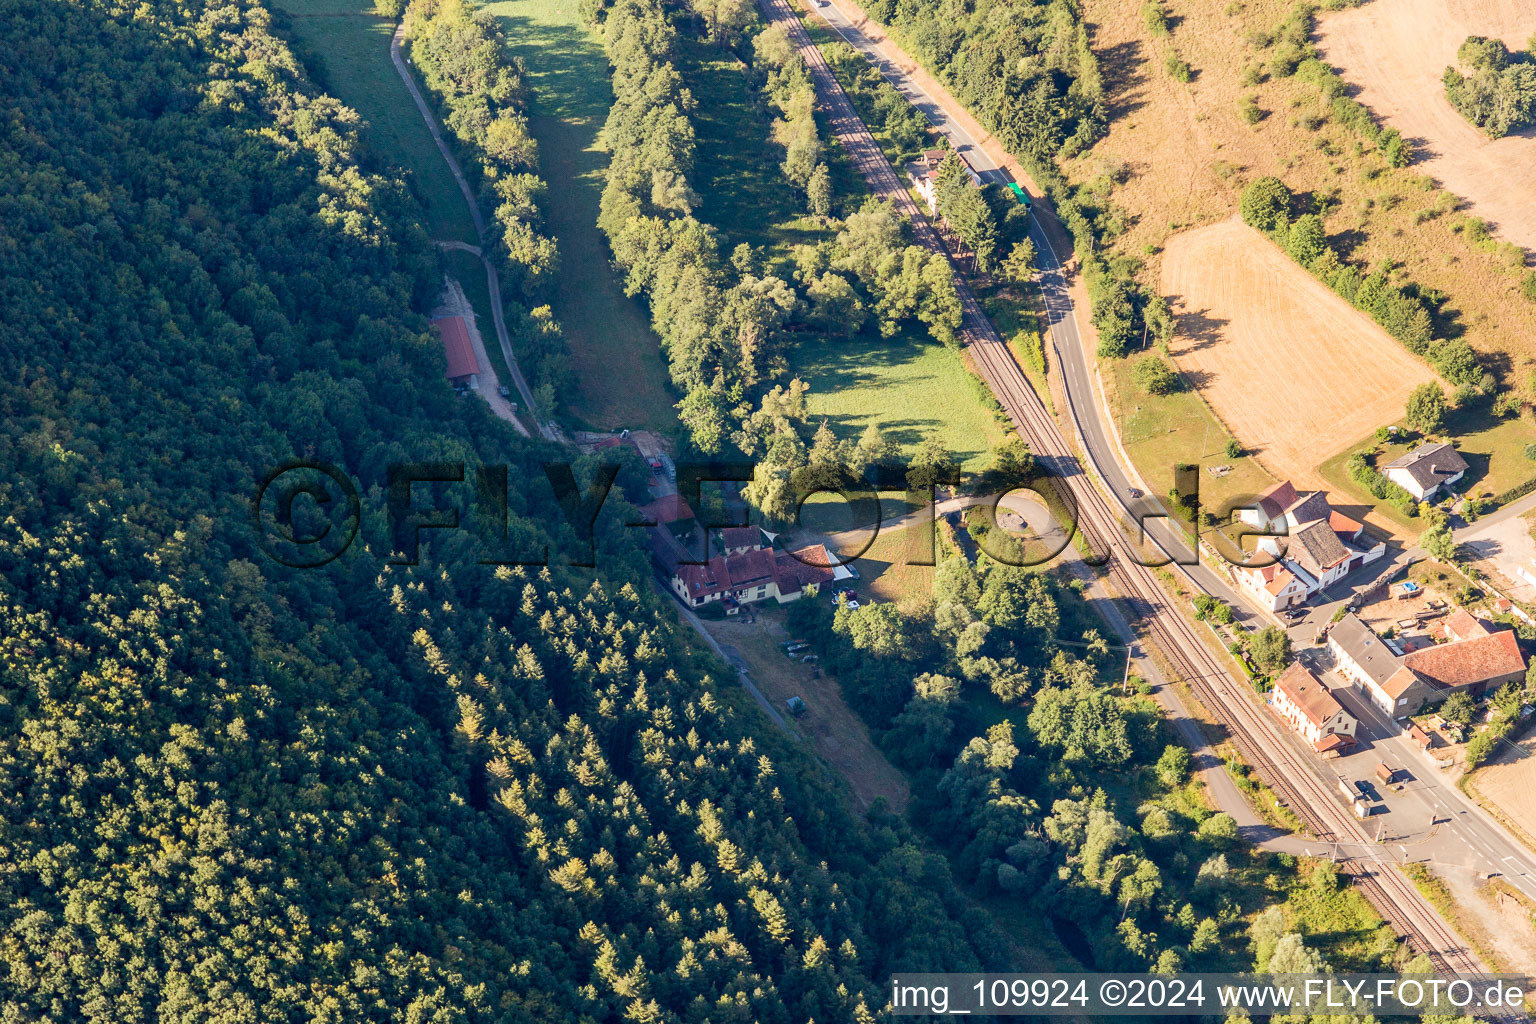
<point x="1427" y="469"/>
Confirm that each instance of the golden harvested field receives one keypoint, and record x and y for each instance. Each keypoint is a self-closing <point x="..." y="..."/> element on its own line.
<point x="1396" y="51"/>
<point x="1178" y="155"/>
<point x="1293" y="370"/>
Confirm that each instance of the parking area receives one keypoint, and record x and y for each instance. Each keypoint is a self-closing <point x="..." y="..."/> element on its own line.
<point x="1506" y="552"/>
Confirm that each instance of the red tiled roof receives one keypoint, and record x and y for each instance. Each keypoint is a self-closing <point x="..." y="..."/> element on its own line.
<point x="669" y="508"/>
<point x="1482" y="659"/>
<point x="1303" y="690"/>
<point x="1398" y="682"/>
<point x="741" y="537"/>
<point x="461" y="354"/>
<point x="816" y="555"/>
<point x="723" y="574"/>
<point x="1276" y="577"/>
<point x="1342" y="524"/>
<point x="1460" y="625"/>
<point x="1277" y="499"/>
<point x="792" y="573"/>
<point x="1333" y="741"/>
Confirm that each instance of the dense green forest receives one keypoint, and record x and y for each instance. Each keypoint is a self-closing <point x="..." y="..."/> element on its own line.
<point x="1024" y="68"/>
<point x="233" y="791"/>
<point x="1060" y="798"/>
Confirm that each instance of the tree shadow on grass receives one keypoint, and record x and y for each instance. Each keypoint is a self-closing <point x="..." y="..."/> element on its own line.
<point x="567" y="68"/>
<point x="1124" y="67"/>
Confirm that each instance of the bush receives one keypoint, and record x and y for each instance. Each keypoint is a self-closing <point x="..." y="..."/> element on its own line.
<point x="1479" y="747"/>
<point x="1178" y="68"/>
<point x="1500" y="95"/>
<point x="1266" y="205"/>
<point x="1426" y="409"/>
<point x="1234" y="449"/>
<point x="1156" y="17"/>
<point x="1364" y="474"/>
<point x="1519" y="490"/>
<point x="1212" y="609"/>
<point x="1028" y="344"/>
<point x="1154" y="376"/>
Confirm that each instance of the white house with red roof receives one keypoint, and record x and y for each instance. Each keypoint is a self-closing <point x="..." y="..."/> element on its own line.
<point x="1311" y="547"/>
<point x="747" y="573"/>
<point x="1304" y="702"/>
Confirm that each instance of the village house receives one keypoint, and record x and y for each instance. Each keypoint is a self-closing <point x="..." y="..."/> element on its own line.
<point x="1314" y="547"/>
<point x="1427" y="469"/>
<point x="751" y="572"/>
<point x="1474" y="658"/>
<point x="924" y="172"/>
<point x="1307" y="706"/>
<point x="738" y="540"/>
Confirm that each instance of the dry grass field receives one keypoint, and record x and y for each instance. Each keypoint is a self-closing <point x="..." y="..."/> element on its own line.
<point x="1395" y="52"/>
<point x="1509" y="784"/>
<point x="1293" y="370"/>
<point x="1178" y="154"/>
<point x="838" y="735"/>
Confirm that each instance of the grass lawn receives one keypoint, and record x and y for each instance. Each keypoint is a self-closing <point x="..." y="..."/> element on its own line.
<point x="1494" y="450"/>
<point x="886" y="569"/>
<point x="736" y="169"/>
<point x="352" y="44"/>
<point x="1161" y="431"/>
<point x="911" y="387"/>
<point x="621" y="378"/>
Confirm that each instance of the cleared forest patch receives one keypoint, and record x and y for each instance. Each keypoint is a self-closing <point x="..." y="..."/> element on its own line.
<point x="1395" y="51"/>
<point x="1289" y="366"/>
<point x="621" y="379"/>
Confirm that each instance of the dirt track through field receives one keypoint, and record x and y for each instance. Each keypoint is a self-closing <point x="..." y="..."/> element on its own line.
<point x="1294" y="371"/>
<point x="1396" y="52"/>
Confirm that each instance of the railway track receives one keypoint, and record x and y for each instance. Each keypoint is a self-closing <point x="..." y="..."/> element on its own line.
<point x="1232" y="702"/>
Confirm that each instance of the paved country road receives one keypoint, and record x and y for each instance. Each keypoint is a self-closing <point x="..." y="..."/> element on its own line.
<point x="492" y="280"/>
<point x="1263" y="741"/>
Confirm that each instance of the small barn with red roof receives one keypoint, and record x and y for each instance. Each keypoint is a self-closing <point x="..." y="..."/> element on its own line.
<point x="463" y="367"/>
